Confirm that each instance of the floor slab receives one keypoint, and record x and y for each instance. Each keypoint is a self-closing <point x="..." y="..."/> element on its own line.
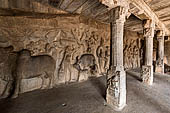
<point x="88" y="97"/>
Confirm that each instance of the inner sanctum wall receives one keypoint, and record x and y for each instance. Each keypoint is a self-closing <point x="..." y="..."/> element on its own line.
<point x="79" y="47"/>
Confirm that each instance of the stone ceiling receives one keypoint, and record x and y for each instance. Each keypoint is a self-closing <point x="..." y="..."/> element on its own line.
<point x="51" y="8"/>
<point x="162" y="10"/>
<point x="88" y="8"/>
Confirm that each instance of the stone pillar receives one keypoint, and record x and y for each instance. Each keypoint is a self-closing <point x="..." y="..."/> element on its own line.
<point x="116" y="78"/>
<point x="147" y="69"/>
<point x="160" y="59"/>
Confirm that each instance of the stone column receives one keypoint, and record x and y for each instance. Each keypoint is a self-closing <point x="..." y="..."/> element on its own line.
<point x="116" y="78"/>
<point x="160" y="59"/>
<point x="147" y="69"/>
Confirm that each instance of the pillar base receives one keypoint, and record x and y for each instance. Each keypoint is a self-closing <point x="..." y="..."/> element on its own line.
<point x="147" y="74"/>
<point x="113" y="106"/>
<point x="116" y="90"/>
<point x="159" y="69"/>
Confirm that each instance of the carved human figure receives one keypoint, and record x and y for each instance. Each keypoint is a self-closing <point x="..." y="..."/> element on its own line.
<point x="146" y="76"/>
<point x="102" y="57"/>
<point x="7" y="69"/>
<point x="135" y="57"/>
<point x="113" y="86"/>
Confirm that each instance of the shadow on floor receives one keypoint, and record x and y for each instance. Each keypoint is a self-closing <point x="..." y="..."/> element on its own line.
<point x="99" y="85"/>
<point x="88" y="97"/>
<point x="135" y="73"/>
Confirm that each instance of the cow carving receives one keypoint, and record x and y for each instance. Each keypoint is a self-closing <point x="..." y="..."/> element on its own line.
<point x="33" y="66"/>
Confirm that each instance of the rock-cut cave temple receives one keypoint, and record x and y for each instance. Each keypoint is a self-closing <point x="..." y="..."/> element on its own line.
<point x="84" y="56"/>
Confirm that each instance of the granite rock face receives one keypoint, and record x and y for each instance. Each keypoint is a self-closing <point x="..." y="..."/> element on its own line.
<point x="80" y="48"/>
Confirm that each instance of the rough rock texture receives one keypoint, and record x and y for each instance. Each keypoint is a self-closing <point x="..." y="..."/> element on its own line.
<point x="30" y="67"/>
<point x="79" y="46"/>
<point x="167" y="57"/>
<point x="167" y="53"/>
<point x="88" y="97"/>
<point x="7" y="69"/>
<point x="133" y="50"/>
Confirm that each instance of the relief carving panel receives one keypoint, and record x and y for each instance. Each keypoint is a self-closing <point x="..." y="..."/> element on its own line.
<point x="79" y="52"/>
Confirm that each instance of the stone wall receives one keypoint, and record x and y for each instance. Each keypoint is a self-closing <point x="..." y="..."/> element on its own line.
<point x="133" y="50"/>
<point x="79" y="46"/>
<point x="167" y="53"/>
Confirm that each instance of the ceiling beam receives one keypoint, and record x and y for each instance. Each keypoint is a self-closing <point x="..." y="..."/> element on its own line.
<point x="144" y="12"/>
<point x="140" y="9"/>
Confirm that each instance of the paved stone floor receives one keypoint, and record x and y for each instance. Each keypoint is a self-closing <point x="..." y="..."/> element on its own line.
<point x="88" y="97"/>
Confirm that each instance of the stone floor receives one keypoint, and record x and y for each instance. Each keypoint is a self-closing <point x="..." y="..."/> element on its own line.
<point x="88" y="97"/>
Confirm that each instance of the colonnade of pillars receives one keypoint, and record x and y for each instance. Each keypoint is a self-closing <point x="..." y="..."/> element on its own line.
<point x="116" y="78"/>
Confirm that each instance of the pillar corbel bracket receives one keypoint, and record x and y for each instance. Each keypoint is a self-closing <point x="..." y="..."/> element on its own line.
<point x="160" y="34"/>
<point x="149" y="27"/>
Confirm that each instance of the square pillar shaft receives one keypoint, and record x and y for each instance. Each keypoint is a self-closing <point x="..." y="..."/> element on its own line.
<point x="116" y="78"/>
<point x="147" y="69"/>
<point x="160" y="59"/>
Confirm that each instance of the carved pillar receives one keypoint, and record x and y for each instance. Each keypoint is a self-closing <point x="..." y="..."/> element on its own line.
<point x="160" y="59"/>
<point x="147" y="69"/>
<point x="116" y="78"/>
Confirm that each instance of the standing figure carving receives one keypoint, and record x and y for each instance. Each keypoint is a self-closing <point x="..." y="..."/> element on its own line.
<point x="7" y="69"/>
<point x="113" y="86"/>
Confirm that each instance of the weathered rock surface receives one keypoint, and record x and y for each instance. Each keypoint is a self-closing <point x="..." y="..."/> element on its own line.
<point x="79" y="46"/>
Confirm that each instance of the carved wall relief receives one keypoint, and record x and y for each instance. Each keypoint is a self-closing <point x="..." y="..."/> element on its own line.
<point x="25" y="67"/>
<point x="146" y="74"/>
<point x="79" y="50"/>
<point x="132" y="51"/>
<point x="7" y="70"/>
<point x="113" y="84"/>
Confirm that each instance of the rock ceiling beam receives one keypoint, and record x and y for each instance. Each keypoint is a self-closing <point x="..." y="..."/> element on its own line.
<point x="143" y="11"/>
<point x="139" y="8"/>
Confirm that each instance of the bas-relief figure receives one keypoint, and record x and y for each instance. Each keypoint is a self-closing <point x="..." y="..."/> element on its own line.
<point x="19" y="66"/>
<point x="7" y="70"/>
<point x="146" y="74"/>
<point x="113" y="84"/>
<point x="78" y="53"/>
<point x="103" y="57"/>
<point x="132" y="53"/>
<point x="29" y="67"/>
<point x="86" y="64"/>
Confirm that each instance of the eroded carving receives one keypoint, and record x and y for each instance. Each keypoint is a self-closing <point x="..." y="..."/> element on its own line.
<point x="7" y="70"/>
<point x="79" y="51"/>
<point x="132" y="53"/>
<point x="147" y="74"/>
<point x="30" y="67"/>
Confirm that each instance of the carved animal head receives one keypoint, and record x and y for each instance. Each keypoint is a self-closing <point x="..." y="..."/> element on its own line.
<point x="25" y="54"/>
<point x="85" y="62"/>
<point x="4" y="52"/>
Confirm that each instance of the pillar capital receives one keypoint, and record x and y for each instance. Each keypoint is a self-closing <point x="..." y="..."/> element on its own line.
<point x="114" y="3"/>
<point x="160" y="34"/>
<point x="149" y="27"/>
<point x="118" y="15"/>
